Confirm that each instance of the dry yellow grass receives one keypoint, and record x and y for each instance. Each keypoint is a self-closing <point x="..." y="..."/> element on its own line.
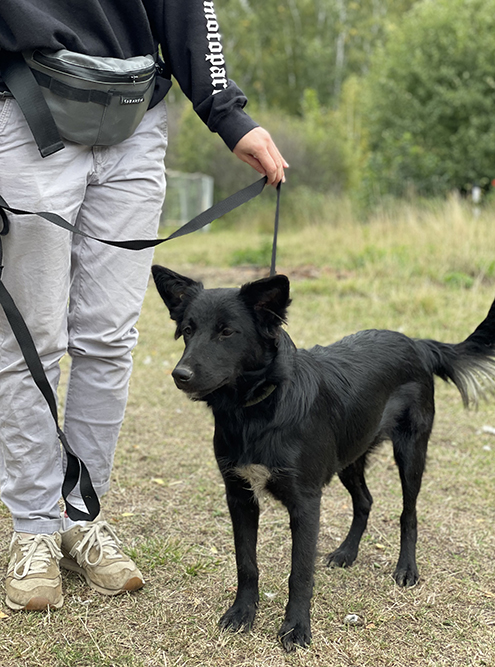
<point x="429" y="273"/>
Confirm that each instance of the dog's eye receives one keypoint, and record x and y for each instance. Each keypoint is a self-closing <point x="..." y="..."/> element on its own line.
<point x="227" y="332"/>
<point x="186" y="331"/>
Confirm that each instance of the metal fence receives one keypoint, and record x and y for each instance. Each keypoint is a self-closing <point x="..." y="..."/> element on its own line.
<point x="187" y="196"/>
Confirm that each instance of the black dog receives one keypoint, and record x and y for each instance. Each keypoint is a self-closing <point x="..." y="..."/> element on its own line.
<point x="286" y="420"/>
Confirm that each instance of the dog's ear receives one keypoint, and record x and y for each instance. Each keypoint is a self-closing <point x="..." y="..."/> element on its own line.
<point x="175" y="290"/>
<point x="269" y="299"/>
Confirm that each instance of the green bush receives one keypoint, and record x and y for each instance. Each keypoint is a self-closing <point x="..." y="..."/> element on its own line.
<point x="430" y="102"/>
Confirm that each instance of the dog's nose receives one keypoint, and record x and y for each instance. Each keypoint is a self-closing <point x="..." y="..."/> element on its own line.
<point x="182" y="374"/>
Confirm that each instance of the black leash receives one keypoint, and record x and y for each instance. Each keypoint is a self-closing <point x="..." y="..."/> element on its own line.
<point x="275" y="232"/>
<point x="76" y="470"/>
<point x="201" y="220"/>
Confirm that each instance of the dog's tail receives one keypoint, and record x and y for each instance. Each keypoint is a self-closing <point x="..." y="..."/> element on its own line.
<point x="470" y="365"/>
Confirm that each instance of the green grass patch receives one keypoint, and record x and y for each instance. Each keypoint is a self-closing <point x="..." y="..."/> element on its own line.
<point x="259" y="256"/>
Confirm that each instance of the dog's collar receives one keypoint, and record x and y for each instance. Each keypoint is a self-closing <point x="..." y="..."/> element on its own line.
<point x="267" y="390"/>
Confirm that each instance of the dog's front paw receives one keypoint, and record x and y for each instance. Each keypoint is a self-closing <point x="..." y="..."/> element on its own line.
<point x="407" y="575"/>
<point x="293" y="634"/>
<point x="238" y="618"/>
<point x="341" y="558"/>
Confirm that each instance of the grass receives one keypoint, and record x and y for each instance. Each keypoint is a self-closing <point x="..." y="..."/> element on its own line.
<point x="427" y="272"/>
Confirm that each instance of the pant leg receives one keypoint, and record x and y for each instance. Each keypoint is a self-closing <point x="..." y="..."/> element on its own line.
<point x="123" y="200"/>
<point x="37" y="274"/>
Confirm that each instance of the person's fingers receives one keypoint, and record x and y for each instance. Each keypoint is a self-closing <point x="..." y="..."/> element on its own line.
<point x="253" y="162"/>
<point x="258" y="149"/>
<point x="268" y="162"/>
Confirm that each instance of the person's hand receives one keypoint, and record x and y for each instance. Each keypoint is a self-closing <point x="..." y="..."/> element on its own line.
<point x="258" y="150"/>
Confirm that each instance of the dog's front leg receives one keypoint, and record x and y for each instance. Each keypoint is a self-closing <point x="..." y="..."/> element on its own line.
<point x="244" y="512"/>
<point x="304" y="524"/>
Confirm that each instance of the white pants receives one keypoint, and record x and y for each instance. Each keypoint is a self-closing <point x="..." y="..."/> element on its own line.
<point x="76" y="295"/>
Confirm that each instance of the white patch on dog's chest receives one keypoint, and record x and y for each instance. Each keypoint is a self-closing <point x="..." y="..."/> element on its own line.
<point x="257" y="476"/>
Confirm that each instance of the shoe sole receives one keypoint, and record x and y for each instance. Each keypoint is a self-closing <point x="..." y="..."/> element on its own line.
<point x="132" y="584"/>
<point x="34" y="604"/>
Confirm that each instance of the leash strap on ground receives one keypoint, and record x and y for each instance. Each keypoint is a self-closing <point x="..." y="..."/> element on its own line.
<point x="76" y="470"/>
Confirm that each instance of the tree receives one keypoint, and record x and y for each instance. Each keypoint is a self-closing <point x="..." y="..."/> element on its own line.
<point x="431" y="100"/>
<point x="278" y="50"/>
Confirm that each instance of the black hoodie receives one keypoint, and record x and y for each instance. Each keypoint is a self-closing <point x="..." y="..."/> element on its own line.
<point x="186" y="30"/>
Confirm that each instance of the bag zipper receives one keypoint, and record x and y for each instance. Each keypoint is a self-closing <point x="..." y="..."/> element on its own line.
<point x="140" y="76"/>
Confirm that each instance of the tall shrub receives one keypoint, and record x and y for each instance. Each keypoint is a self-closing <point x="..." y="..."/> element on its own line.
<point x="429" y="111"/>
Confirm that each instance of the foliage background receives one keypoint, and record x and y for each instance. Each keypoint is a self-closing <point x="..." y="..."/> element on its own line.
<point x="431" y="98"/>
<point x="367" y="100"/>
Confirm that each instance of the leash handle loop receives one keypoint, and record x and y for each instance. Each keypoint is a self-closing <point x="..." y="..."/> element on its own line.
<point x="75" y="470"/>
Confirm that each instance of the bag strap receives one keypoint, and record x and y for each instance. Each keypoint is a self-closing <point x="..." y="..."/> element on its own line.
<point x="71" y="93"/>
<point x="22" y="84"/>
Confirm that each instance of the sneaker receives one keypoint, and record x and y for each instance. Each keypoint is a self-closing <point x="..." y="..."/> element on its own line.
<point x="92" y="550"/>
<point x="33" y="577"/>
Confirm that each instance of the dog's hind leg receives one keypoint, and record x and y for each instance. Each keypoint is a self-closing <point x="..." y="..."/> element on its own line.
<point x="352" y="478"/>
<point x="410" y="456"/>
<point x="244" y="512"/>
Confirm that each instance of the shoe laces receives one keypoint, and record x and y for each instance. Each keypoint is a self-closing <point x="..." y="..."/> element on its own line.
<point x="38" y="551"/>
<point x="100" y="536"/>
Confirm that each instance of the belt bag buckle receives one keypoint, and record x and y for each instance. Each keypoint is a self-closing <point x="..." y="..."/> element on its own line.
<point x="94" y="101"/>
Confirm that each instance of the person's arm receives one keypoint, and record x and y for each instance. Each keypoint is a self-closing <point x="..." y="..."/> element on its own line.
<point x="189" y="34"/>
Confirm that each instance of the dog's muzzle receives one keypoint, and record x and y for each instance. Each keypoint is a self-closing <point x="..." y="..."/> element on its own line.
<point x="182" y="375"/>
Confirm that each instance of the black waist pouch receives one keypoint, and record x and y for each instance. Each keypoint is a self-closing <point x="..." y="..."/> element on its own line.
<point x="94" y="101"/>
